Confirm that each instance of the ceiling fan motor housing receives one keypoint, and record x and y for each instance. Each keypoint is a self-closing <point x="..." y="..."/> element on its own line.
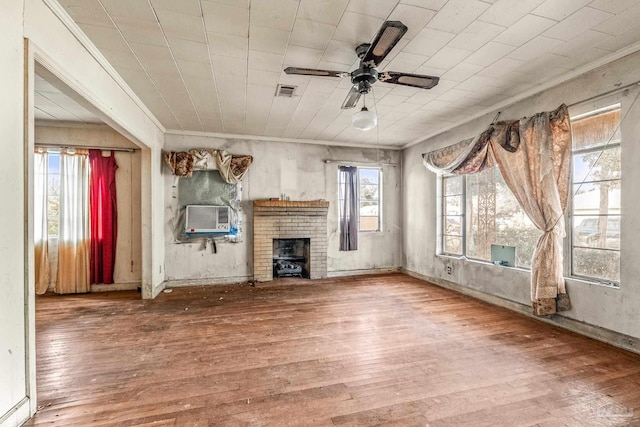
<point x="364" y="77"/>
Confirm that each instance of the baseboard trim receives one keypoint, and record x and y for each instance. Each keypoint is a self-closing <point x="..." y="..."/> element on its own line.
<point x="116" y="287"/>
<point x="343" y="273"/>
<point x="608" y="336"/>
<point x="181" y="283"/>
<point x="17" y="415"/>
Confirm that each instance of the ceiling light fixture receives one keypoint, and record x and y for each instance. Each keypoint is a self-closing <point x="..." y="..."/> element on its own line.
<point x="364" y="119"/>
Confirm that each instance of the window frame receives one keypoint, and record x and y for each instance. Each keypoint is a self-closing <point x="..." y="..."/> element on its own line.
<point x="360" y="200"/>
<point x="570" y="217"/>
<point x="462" y="215"/>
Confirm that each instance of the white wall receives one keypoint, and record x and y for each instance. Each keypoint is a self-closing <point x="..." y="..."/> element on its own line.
<point x="613" y="309"/>
<point x="299" y="171"/>
<point x="13" y="304"/>
<point x="128" y="264"/>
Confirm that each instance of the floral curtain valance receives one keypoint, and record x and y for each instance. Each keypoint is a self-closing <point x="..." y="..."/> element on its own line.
<point x="534" y="157"/>
<point x="232" y="168"/>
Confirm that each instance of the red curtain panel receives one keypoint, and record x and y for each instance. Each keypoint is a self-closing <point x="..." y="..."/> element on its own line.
<point x="104" y="216"/>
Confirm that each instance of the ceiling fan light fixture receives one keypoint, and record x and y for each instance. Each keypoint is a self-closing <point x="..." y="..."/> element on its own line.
<point x="364" y="119"/>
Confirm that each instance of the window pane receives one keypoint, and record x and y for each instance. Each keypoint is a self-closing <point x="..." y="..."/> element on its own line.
<point x="369" y="223"/>
<point x="452" y="225"/>
<point x="453" y="245"/>
<point x="597" y="263"/>
<point x="369" y="192"/>
<point x="368" y="209"/>
<point x="52" y="227"/>
<point x="598" y="198"/>
<point x="453" y="205"/>
<point x="452" y="185"/>
<point x="494" y="216"/>
<point x="603" y="164"/>
<point x="369" y="176"/>
<point x="597" y="232"/>
<point x="596" y="130"/>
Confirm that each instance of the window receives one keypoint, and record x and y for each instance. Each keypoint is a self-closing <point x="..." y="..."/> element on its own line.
<point x="369" y="198"/>
<point x="479" y="210"/>
<point x="595" y="201"/>
<point x="53" y="194"/>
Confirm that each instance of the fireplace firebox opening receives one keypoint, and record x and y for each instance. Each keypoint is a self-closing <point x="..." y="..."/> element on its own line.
<point x="291" y="258"/>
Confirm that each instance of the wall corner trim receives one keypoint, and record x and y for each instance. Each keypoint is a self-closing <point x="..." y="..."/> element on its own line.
<point x="625" y="342"/>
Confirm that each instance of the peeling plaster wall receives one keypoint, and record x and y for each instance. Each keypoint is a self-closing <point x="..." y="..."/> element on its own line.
<point x="617" y="310"/>
<point x="299" y="171"/>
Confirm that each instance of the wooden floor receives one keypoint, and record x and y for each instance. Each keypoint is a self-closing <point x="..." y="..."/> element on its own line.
<point x="360" y="351"/>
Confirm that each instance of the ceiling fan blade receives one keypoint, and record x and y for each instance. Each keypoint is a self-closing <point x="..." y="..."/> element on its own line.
<point x="405" y="79"/>
<point x="314" y="72"/>
<point x="352" y="98"/>
<point x="390" y="33"/>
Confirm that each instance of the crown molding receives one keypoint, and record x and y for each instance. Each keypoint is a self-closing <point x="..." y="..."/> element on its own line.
<point x="278" y="139"/>
<point x="82" y="38"/>
<point x="534" y="91"/>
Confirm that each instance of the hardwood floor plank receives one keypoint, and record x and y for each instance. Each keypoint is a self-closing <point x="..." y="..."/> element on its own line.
<point x="385" y="350"/>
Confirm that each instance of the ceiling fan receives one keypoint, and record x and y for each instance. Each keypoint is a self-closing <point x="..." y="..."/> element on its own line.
<point x="371" y="55"/>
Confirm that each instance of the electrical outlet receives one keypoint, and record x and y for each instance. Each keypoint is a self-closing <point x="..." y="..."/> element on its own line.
<point x="448" y="269"/>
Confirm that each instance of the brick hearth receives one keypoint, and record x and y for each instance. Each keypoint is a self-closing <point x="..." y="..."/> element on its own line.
<point x="280" y="219"/>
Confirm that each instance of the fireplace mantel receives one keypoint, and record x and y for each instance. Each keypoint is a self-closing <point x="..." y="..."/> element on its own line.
<point x="289" y="219"/>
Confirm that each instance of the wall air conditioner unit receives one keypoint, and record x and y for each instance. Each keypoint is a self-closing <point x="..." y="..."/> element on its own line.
<point x="202" y="219"/>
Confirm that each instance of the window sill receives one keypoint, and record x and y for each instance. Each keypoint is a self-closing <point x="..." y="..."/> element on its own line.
<point x="580" y="280"/>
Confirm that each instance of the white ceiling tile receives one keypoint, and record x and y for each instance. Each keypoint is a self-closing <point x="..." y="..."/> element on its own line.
<point x="415" y="18"/>
<point x="447" y="58"/>
<point x="489" y="53"/>
<point x="132" y="9"/>
<point x="406" y="62"/>
<point x="427" y="4"/>
<point x="268" y="40"/>
<point x="263" y="78"/>
<point x="181" y="25"/>
<point x="311" y="34"/>
<point x="145" y="32"/>
<point x="87" y="12"/>
<point x="378" y="9"/>
<point x="105" y="37"/>
<point x="631" y="36"/>
<point x="298" y="56"/>
<point x="265" y="61"/>
<point x="325" y="11"/>
<point x="356" y="29"/>
<point x="189" y="50"/>
<point x="577" y="45"/>
<point x="476" y="82"/>
<point x="392" y="100"/>
<point x="228" y="45"/>
<point x="577" y="23"/>
<point x="226" y="19"/>
<point x="524" y="30"/>
<point x="534" y="48"/>
<point x="191" y="7"/>
<point x="195" y="69"/>
<point x="277" y="14"/>
<point x="431" y="71"/>
<point x="421" y="98"/>
<point x="476" y="35"/>
<point x="340" y="53"/>
<point x="428" y="42"/>
<point x="501" y="67"/>
<point x="508" y="12"/>
<point x="462" y="71"/>
<point x="558" y="10"/>
<point x="613" y="6"/>
<point x="622" y="23"/>
<point x="225" y="66"/>
<point x="454" y="95"/>
<point x="322" y="85"/>
<point x="456" y="15"/>
<point x="153" y="57"/>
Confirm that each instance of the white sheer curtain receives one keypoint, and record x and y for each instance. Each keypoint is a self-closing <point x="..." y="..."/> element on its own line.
<point x="40" y="223"/>
<point x="74" y="243"/>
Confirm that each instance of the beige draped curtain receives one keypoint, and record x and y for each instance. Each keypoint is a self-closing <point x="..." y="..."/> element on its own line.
<point x="232" y="168"/>
<point x="40" y="223"/>
<point x="534" y="157"/>
<point x="73" y="243"/>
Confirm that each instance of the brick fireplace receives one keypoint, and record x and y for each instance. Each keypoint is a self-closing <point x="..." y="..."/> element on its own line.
<point x="281" y="219"/>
